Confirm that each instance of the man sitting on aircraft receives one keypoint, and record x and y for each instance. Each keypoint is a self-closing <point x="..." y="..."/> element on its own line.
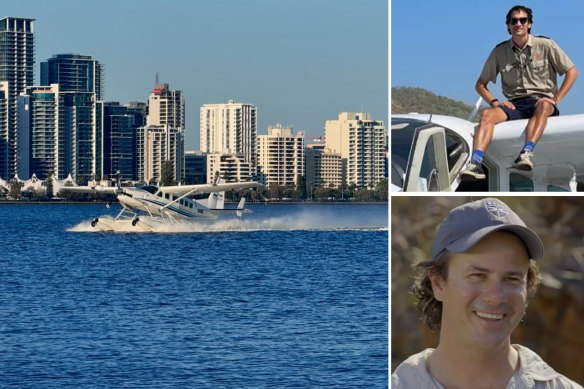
<point x="529" y="66"/>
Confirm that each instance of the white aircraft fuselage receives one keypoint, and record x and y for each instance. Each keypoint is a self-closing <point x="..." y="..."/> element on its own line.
<point x="167" y="205"/>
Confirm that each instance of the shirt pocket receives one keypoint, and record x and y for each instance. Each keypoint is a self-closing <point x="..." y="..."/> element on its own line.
<point x="539" y="69"/>
<point x="510" y="76"/>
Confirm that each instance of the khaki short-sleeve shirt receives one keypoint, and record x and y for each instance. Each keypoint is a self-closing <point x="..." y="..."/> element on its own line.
<point x="529" y="71"/>
<point x="533" y="373"/>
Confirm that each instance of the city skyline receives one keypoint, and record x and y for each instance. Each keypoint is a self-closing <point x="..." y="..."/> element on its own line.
<point x="300" y="63"/>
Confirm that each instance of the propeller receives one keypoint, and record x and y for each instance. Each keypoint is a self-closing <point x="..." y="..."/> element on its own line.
<point x="120" y="190"/>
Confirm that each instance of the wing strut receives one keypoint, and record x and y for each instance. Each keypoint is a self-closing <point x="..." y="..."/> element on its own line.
<point x="178" y="199"/>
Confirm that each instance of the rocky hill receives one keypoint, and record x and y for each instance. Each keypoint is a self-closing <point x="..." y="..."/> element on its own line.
<point x="409" y="99"/>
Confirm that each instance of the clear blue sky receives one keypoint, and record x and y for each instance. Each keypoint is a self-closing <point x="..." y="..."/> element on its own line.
<point x="442" y="45"/>
<point x="301" y="62"/>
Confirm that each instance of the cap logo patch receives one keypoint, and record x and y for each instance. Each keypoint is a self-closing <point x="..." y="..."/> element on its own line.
<point x="496" y="209"/>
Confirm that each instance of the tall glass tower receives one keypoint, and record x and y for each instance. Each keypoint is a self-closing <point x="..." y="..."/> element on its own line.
<point x="16" y="69"/>
<point x="80" y="80"/>
<point x="74" y="73"/>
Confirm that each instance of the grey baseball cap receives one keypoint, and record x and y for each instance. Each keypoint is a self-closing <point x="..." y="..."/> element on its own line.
<point x="467" y="224"/>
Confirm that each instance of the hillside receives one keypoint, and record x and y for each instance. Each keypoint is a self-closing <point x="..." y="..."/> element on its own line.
<point x="409" y="99"/>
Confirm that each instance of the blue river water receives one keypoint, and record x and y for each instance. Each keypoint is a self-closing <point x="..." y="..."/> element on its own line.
<point x="288" y="296"/>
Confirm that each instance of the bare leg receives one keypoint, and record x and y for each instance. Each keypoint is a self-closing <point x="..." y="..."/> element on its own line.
<point x="482" y="139"/>
<point x="538" y="121"/>
<point x="486" y="128"/>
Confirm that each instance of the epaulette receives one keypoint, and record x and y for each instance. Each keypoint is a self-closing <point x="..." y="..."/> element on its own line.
<point x="541" y="36"/>
<point x="502" y="43"/>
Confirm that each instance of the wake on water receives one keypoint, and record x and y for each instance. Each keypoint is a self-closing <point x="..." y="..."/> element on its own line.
<point x="300" y="221"/>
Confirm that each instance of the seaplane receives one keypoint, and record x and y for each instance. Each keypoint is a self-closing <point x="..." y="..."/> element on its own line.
<point x="150" y="207"/>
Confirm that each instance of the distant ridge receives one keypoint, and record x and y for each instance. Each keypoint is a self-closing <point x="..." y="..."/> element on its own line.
<point x="409" y="99"/>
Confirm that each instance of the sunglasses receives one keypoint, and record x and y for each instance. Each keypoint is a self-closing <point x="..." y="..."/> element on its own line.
<point x="514" y="21"/>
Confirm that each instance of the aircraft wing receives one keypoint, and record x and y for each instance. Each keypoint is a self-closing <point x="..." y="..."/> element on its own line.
<point x="180" y="190"/>
<point x="90" y="189"/>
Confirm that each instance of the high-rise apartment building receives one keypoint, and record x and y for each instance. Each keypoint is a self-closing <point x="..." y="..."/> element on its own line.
<point x="41" y="144"/>
<point x="230" y="128"/>
<point x="4" y="110"/>
<point x="362" y="142"/>
<point x="17" y="69"/>
<point x="56" y="133"/>
<point x="157" y="144"/>
<point x="74" y="73"/>
<point x="80" y="79"/>
<point x="195" y="168"/>
<point x="230" y="167"/>
<point x="166" y="107"/>
<point x="118" y="146"/>
<point x="323" y="168"/>
<point x="162" y="139"/>
<point x="281" y="156"/>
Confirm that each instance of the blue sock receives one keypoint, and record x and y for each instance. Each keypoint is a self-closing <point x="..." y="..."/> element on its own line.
<point x="477" y="156"/>
<point x="529" y="146"/>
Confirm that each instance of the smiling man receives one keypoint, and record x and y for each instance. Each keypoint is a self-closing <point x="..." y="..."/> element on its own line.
<point x="528" y="66"/>
<point x="474" y="290"/>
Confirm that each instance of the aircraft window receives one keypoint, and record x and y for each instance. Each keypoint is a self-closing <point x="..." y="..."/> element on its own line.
<point x="429" y="169"/>
<point x="159" y="194"/>
<point x="520" y="183"/>
<point x="553" y="188"/>
<point x="166" y="196"/>
<point x="456" y="146"/>
<point x="190" y="205"/>
<point x="402" y="137"/>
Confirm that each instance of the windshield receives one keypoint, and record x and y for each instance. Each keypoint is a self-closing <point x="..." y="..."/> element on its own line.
<point x="402" y="137"/>
<point x="149" y="188"/>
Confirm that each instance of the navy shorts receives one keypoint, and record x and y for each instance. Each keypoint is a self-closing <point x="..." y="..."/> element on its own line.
<point x="524" y="108"/>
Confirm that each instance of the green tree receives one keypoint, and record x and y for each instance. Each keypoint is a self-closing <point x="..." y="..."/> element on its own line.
<point x="382" y="190"/>
<point x="167" y="178"/>
<point x="321" y="193"/>
<point x="302" y="187"/>
<point x="15" y="189"/>
<point x="275" y="191"/>
<point x="364" y="195"/>
<point x="49" y="185"/>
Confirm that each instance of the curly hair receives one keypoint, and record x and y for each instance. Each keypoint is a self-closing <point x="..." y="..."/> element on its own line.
<point x="523" y="8"/>
<point x="432" y="308"/>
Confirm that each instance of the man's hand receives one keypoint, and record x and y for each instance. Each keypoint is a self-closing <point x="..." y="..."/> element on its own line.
<point x="508" y="104"/>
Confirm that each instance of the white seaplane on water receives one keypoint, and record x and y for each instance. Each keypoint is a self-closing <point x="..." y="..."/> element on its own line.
<point x="149" y="207"/>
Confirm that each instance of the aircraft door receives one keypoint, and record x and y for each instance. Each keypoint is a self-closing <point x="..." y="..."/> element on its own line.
<point x="427" y="169"/>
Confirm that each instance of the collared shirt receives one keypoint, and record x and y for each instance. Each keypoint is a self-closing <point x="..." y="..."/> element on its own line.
<point x="533" y="373"/>
<point x="529" y="71"/>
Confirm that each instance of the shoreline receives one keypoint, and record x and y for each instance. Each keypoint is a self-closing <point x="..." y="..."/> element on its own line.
<point x="30" y="202"/>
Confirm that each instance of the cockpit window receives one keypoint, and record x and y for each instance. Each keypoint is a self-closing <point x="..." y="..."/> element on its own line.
<point x="149" y="188"/>
<point x="402" y="138"/>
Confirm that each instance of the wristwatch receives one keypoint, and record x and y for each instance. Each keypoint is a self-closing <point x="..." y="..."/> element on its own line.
<point x="492" y="101"/>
